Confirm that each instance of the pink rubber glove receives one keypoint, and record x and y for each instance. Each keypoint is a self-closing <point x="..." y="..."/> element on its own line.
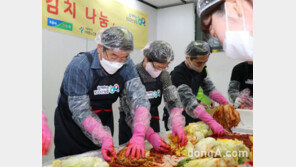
<point x="46" y="135"/>
<point x="107" y="149"/>
<point x="247" y="100"/>
<point x="136" y="145"/>
<point x="157" y="142"/>
<point x="178" y="125"/>
<point x="96" y="129"/>
<point x="182" y="138"/>
<point x="218" y="97"/>
<point x="202" y="114"/>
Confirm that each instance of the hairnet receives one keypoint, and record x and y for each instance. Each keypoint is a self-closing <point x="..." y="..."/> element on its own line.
<point x="116" y="38"/>
<point x="204" y="6"/>
<point x="159" y="51"/>
<point x="198" y="48"/>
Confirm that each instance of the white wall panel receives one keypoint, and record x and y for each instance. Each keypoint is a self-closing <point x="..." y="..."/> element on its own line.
<point x="176" y="26"/>
<point x="219" y="68"/>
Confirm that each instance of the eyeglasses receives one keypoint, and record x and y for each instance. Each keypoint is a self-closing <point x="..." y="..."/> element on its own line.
<point x="158" y="67"/>
<point x="116" y="58"/>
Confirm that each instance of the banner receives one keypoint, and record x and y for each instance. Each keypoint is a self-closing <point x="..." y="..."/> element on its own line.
<point x="85" y="18"/>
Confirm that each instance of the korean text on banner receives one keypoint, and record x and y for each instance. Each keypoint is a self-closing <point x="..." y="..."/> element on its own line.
<point x="85" y="18"/>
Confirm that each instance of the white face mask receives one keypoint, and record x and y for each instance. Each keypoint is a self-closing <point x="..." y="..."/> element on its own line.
<point x="152" y="71"/>
<point x="193" y="67"/>
<point x="238" y="44"/>
<point x="111" y="67"/>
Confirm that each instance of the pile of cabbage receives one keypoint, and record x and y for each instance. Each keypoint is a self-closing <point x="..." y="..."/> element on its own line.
<point x="202" y="149"/>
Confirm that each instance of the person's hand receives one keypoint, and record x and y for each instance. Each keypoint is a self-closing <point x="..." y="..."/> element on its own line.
<point x="178" y="122"/>
<point x="46" y="136"/>
<point x="96" y="129"/>
<point x="202" y="114"/>
<point x="107" y="149"/>
<point x="218" y="97"/>
<point x="238" y="102"/>
<point x="245" y="100"/>
<point x="136" y="145"/>
<point x="157" y="142"/>
<point x="46" y="139"/>
<point x="204" y="105"/>
<point x="216" y="128"/>
<point x="182" y="138"/>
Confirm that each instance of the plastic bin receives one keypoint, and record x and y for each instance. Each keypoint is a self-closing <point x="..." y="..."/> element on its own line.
<point x="246" y="124"/>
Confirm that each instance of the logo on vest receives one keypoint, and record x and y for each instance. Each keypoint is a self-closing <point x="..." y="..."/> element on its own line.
<point x="104" y="90"/>
<point x="249" y="81"/>
<point x="153" y="94"/>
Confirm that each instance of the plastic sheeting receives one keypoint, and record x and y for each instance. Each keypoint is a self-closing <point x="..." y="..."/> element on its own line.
<point x="80" y="108"/>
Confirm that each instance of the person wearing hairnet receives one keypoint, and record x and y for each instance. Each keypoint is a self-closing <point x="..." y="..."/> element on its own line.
<point x="188" y="77"/>
<point x="152" y="71"/>
<point x="92" y="83"/>
<point x="240" y="89"/>
<point x="230" y="21"/>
